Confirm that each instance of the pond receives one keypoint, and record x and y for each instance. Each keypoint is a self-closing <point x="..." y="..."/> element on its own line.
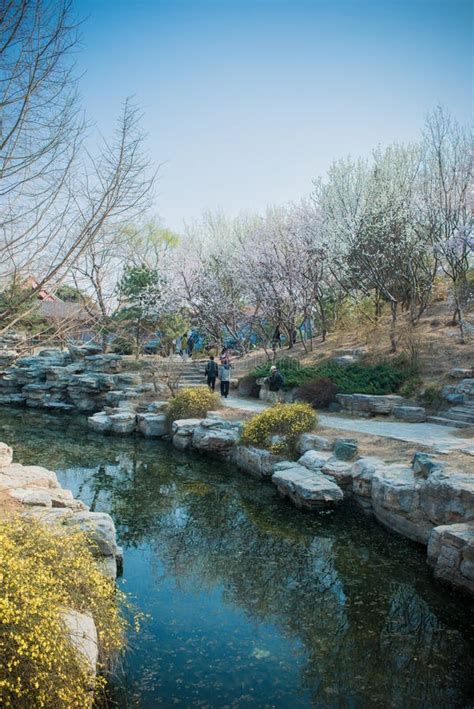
<point x="250" y="602"/>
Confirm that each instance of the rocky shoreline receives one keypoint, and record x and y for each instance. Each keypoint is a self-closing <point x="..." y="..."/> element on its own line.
<point x="34" y="491"/>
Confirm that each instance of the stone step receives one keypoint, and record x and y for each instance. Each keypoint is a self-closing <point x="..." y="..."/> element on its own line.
<point x="442" y="421"/>
<point x="456" y="415"/>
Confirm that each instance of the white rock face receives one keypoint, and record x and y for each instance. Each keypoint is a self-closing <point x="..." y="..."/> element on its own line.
<point x="83" y="633"/>
<point x="6" y="455"/>
<point x="183" y="430"/>
<point x="123" y="422"/>
<point x="340" y="472"/>
<point x="304" y="488"/>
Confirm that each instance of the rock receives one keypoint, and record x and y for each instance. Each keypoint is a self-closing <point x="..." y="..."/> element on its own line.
<point x="183" y="430"/>
<point x="413" y="414"/>
<point x="447" y="498"/>
<point x="32" y="497"/>
<point x="100" y="528"/>
<point x="16" y="476"/>
<point x="6" y="455"/>
<point x="345" y="448"/>
<point x="369" y="403"/>
<point x="185" y="426"/>
<point x="255" y="461"/>
<point x="396" y="502"/>
<point x="100" y="422"/>
<point x="362" y="472"/>
<point x="451" y="554"/>
<point x="83" y="634"/>
<point x="460" y="373"/>
<point x="213" y="439"/>
<point x="306" y="489"/>
<point x="340" y="471"/>
<point x="344" y="360"/>
<point x="424" y="464"/>
<point x="156" y="407"/>
<point x="123" y="422"/>
<point x="451" y="394"/>
<point x="310" y="441"/>
<point x="152" y="425"/>
<point x="314" y="460"/>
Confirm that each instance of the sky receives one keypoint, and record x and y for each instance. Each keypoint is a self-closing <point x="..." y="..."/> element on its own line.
<point x="247" y="101"/>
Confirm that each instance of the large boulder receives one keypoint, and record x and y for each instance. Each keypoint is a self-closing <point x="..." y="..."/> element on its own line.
<point x="258" y="462"/>
<point x="183" y="431"/>
<point x="123" y="422"/>
<point x="310" y="441"/>
<point x="340" y="471"/>
<point x="100" y="528"/>
<point x="345" y="448"/>
<point x="152" y="425"/>
<point x="411" y="414"/>
<point x="314" y="460"/>
<point x="306" y="489"/>
<point x="451" y="554"/>
<point x="100" y="422"/>
<point x="362" y="473"/>
<point x="214" y="439"/>
<point x="83" y="635"/>
<point x="369" y="404"/>
<point x="396" y="502"/>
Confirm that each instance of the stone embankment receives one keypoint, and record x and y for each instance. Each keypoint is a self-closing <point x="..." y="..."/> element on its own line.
<point x="426" y="501"/>
<point x="35" y="491"/>
<point x="81" y="379"/>
<point x="459" y="398"/>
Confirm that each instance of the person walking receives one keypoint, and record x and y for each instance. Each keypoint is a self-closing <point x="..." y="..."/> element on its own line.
<point x="274" y="382"/>
<point x="211" y="372"/>
<point x="224" y="376"/>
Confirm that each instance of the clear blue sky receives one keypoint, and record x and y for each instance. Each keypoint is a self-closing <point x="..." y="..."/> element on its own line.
<point x="246" y="101"/>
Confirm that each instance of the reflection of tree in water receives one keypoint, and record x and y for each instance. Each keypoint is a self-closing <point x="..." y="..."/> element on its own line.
<point x="370" y="619"/>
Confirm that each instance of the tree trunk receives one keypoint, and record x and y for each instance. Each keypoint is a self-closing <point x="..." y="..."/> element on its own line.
<point x="393" y="326"/>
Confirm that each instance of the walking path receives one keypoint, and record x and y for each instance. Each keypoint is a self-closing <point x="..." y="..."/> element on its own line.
<point x="440" y="438"/>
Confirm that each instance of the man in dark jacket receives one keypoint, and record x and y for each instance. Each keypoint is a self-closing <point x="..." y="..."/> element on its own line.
<point x="211" y="372"/>
<point x="274" y="382"/>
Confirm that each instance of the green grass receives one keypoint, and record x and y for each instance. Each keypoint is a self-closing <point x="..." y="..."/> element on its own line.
<point x="383" y="378"/>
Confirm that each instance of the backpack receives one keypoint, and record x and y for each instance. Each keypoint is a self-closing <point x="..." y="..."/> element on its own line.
<point x="212" y="369"/>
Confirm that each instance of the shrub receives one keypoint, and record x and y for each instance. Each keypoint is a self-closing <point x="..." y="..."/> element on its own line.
<point x="431" y="398"/>
<point x="283" y="422"/>
<point x="192" y="403"/>
<point x="383" y="378"/>
<point x="45" y="570"/>
<point x="123" y="346"/>
<point x="319" y="393"/>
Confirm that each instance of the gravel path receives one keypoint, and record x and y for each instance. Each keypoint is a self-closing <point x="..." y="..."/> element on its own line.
<point x="440" y="438"/>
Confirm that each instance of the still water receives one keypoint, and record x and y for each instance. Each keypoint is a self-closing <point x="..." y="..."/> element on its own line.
<point x="250" y="602"/>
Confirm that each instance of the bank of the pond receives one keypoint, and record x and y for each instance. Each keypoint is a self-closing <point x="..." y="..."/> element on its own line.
<point x="426" y="499"/>
<point x="251" y="602"/>
<point x="59" y="606"/>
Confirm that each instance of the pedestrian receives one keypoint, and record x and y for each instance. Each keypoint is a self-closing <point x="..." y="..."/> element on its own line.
<point x="211" y="372"/>
<point x="274" y="382"/>
<point x="190" y="344"/>
<point x="224" y="376"/>
<point x="225" y="357"/>
<point x="276" y="339"/>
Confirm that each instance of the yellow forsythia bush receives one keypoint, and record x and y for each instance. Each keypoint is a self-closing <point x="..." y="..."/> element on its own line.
<point x="194" y="402"/>
<point x="283" y="422"/>
<point x="45" y="570"/>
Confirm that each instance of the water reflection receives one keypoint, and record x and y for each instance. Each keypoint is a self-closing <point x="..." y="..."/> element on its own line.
<point x="254" y="603"/>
